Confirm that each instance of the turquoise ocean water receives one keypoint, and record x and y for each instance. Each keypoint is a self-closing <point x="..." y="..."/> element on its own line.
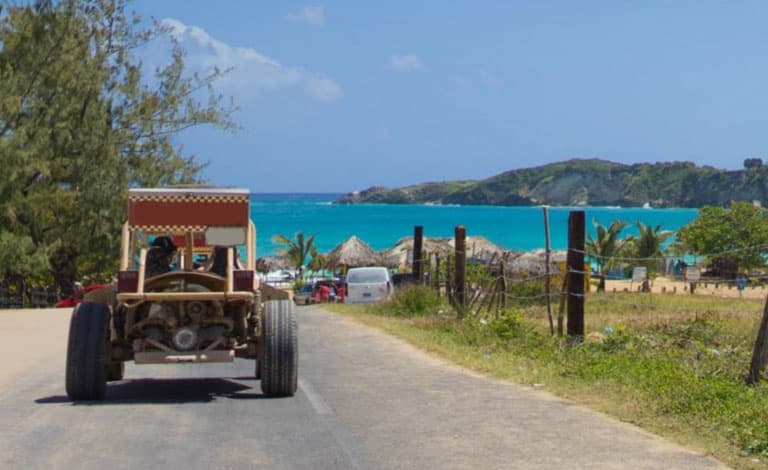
<point x="381" y="225"/>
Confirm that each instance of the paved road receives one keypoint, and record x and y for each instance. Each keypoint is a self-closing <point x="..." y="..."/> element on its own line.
<point x="366" y="401"/>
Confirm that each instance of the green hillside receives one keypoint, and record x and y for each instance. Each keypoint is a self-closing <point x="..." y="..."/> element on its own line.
<point x="591" y="182"/>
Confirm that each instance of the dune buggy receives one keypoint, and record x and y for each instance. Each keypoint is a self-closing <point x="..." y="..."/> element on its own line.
<point x="192" y="308"/>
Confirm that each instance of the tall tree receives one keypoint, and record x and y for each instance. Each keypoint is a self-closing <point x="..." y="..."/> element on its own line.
<point x="736" y="235"/>
<point x="605" y="247"/>
<point x="79" y="125"/>
<point x="296" y="250"/>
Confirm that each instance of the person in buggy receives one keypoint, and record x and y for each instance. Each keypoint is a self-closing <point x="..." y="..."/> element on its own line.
<point x="160" y="256"/>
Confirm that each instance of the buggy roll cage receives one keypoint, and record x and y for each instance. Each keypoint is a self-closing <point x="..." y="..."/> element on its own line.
<point x="196" y="219"/>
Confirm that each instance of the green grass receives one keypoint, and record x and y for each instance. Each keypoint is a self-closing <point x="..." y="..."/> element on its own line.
<point x="672" y="364"/>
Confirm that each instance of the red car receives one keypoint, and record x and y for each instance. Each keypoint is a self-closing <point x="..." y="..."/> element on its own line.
<point x="327" y="290"/>
<point x="77" y="296"/>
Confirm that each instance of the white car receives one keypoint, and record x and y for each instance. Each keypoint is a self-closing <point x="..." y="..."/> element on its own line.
<point x="371" y="284"/>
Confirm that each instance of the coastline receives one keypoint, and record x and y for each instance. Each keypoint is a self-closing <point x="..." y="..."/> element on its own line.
<point x="514" y="228"/>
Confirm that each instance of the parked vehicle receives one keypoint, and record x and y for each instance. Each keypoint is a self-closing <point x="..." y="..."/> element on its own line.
<point x="304" y="295"/>
<point x="77" y="296"/>
<point x="371" y="284"/>
<point x="327" y="290"/>
<point x="402" y="279"/>
<point x="320" y="291"/>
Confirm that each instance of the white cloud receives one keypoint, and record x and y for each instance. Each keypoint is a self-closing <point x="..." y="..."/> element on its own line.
<point x="311" y="15"/>
<point x="252" y="72"/>
<point x="323" y="89"/>
<point x="406" y="62"/>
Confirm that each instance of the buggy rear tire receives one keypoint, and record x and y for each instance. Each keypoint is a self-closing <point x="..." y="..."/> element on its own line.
<point x="279" y="364"/>
<point x="86" y="374"/>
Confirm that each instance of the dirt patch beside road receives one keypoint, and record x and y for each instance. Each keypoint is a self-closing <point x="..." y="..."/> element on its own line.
<point x="31" y="336"/>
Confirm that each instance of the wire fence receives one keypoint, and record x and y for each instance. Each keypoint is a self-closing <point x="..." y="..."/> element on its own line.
<point x="37" y="297"/>
<point x="494" y="285"/>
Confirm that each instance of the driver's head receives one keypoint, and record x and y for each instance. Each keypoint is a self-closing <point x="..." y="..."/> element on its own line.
<point x="164" y="244"/>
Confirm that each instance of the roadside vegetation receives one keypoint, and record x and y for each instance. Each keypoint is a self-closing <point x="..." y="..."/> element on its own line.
<point x="672" y="364"/>
<point x="81" y="121"/>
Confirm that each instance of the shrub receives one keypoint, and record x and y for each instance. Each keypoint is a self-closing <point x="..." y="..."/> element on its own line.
<point x="534" y="291"/>
<point x="413" y="301"/>
<point x="508" y="325"/>
<point x="503" y="331"/>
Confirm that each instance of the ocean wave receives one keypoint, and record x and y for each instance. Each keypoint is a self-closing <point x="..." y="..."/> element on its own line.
<point x="437" y="204"/>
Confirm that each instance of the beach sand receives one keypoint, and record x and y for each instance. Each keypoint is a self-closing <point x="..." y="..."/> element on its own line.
<point x="674" y="287"/>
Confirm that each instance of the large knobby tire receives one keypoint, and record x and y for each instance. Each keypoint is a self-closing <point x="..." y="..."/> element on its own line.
<point x="279" y="364"/>
<point x="86" y="377"/>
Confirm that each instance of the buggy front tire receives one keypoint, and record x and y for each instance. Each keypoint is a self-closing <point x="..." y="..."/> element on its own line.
<point x="86" y="371"/>
<point x="279" y="364"/>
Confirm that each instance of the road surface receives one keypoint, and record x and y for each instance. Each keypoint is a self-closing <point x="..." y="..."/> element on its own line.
<point x="365" y="401"/>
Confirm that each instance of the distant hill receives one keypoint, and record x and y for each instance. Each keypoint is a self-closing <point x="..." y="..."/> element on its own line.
<point x="592" y="182"/>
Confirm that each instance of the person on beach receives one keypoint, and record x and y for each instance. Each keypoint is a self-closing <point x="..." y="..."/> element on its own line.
<point x="325" y="293"/>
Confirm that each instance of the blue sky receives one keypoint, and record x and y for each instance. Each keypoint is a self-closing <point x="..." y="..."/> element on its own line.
<point x="337" y="96"/>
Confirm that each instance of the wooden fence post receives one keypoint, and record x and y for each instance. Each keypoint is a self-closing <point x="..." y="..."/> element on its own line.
<point x="575" y="261"/>
<point x="561" y="306"/>
<point x="418" y="259"/>
<point x="460" y="269"/>
<point x="502" y="304"/>
<point x="436" y="280"/>
<point x="760" y="351"/>
<point x="449" y="280"/>
<point x="548" y="280"/>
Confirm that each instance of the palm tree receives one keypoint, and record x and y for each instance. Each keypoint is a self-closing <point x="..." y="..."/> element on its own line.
<point x="649" y="244"/>
<point x="605" y="247"/>
<point x="296" y="250"/>
<point x="319" y="261"/>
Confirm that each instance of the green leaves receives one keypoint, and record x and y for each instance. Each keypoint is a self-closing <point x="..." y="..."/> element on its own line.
<point x="606" y="245"/>
<point x="79" y="125"/>
<point x="296" y="250"/>
<point x="648" y="245"/>
<point x="739" y="234"/>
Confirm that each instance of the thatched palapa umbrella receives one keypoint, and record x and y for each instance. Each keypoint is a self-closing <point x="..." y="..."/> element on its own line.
<point x="534" y="262"/>
<point x="481" y="248"/>
<point x="352" y="252"/>
<point x="397" y="256"/>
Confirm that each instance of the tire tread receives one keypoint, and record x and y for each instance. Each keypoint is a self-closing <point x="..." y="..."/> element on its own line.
<point x="86" y="349"/>
<point x="279" y="365"/>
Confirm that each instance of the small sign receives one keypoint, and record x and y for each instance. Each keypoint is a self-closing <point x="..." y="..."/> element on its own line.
<point x="692" y="274"/>
<point x="741" y="282"/>
<point x="639" y="274"/>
